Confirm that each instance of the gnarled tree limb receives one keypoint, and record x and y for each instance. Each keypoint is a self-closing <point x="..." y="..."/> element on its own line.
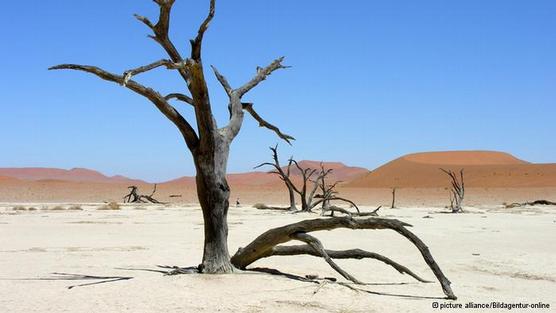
<point x="160" y="30"/>
<point x="262" y="74"/>
<point x="317" y="247"/>
<point x="263" y="245"/>
<point x="343" y="254"/>
<point x="167" y="63"/>
<point x="262" y="123"/>
<point x="197" y="43"/>
<point x="158" y="100"/>
<point x="180" y="97"/>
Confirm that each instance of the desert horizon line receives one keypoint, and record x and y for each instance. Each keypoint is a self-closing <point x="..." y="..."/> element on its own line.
<point x="255" y="170"/>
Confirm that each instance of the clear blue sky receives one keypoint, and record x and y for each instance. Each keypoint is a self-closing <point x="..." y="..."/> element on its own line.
<point x="370" y="81"/>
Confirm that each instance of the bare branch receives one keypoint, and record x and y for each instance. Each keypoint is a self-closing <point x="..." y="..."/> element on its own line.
<point x="144" y="20"/>
<point x="262" y="123"/>
<point x="159" y="101"/>
<point x="160" y="30"/>
<point x="223" y="81"/>
<point x="262" y="74"/>
<point x="317" y="246"/>
<point x="197" y="43"/>
<point x="348" y="201"/>
<point x="180" y="97"/>
<point x="167" y="63"/>
<point x="344" y="254"/>
<point x="265" y="164"/>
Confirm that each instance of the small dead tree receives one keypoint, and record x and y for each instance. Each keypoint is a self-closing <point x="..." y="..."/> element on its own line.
<point x="328" y="194"/>
<point x="393" y="206"/>
<point x="284" y="175"/>
<point x="305" y="190"/>
<point x="457" y="191"/>
<point x="135" y="197"/>
<point x="305" y="195"/>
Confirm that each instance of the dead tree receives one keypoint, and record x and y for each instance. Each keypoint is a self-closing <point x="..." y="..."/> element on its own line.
<point x="284" y="175"/>
<point x="393" y="206"/>
<point x="305" y="196"/>
<point x="305" y="190"/>
<point x="328" y="194"/>
<point x="457" y="192"/>
<point x="209" y="144"/>
<point x="135" y="197"/>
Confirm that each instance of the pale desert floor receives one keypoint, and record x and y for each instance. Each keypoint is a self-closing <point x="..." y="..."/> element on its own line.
<point x="489" y="254"/>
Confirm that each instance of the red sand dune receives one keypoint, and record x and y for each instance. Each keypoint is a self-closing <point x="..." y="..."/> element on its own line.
<point x="481" y="169"/>
<point x="73" y="175"/>
<point x="464" y="158"/>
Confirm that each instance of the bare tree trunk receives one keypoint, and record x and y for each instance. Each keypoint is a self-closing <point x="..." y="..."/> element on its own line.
<point x="293" y="207"/>
<point x="283" y="175"/>
<point x="304" y="205"/>
<point x="393" y="198"/>
<point x="214" y="194"/>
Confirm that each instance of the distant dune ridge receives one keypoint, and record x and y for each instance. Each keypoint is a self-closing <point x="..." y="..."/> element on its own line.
<point x="481" y="169"/>
<point x="72" y="175"/>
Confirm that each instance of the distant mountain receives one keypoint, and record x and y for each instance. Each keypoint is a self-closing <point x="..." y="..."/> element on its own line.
<point x="72" y="175"/>
<point x="481" y="169"/>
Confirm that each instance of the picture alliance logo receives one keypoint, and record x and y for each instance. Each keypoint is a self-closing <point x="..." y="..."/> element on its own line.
<point x="490" y="305"/>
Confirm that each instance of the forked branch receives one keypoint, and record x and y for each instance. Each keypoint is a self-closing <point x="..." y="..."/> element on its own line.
<point x="262" y="74"/>
<point x="161" y="29"/>
<point x="357" y="254"/>
<point x="197" y="43"/>
<point x="237" y="107"/>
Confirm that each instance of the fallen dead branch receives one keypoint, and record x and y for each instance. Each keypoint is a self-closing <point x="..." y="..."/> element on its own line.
<point x="333" y="209"/>
<point x="135" y="197"/>
<point x="262" y="206"/>
<point x="269" y="244"/>
<point x="532" y="203"/>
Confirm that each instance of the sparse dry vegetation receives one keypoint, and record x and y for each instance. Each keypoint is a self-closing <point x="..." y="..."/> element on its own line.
<point x="110" y="206"/>
<point x="262" y="206"/>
